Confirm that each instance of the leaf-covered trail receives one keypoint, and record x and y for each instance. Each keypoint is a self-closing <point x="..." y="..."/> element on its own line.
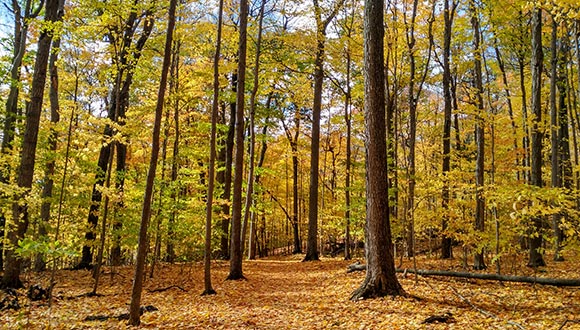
<point x="284" y="293"/>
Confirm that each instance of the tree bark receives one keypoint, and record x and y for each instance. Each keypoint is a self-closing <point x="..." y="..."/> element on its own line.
<point x="174" y="88"/>
<point x="312" y="242"/>
<point x="564" y="162"/>
<point x="447" y="249"/>
<point x="236" y="272"/>
<point x="479" y="262"/>
<point x="49" y="171"/>
<point x="135" y="307"/>
<point x="224" y="176"/>
<point x="380" y="278"/>
<point x="535" y="257"/>
<point x="252" y="127"/>
<point x="208" y="289"/>
<point x="11" y="277"/>
<point x="11" y="113"/>
<point x="556" y="179"/>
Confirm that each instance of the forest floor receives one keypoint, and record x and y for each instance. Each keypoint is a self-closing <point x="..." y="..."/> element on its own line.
<point x="284" y="293"/>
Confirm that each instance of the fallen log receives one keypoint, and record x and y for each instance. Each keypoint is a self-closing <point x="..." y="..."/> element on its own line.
<point x="481" y="276"/>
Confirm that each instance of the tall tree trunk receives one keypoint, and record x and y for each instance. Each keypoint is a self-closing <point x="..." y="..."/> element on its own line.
<point x="174" y="89"/>
<point x="478" y="262"/>
<point x="135" y="307"/>
<point x="236" y="272"/>
<point x="224" y="176"/>
<point x="252" y="128"/>
<point x="556" y="179"/>
<point x="253" y="232"/>
<point x="11" y="113"/>
<point x="535" y="257"/>
<point x="524" y="99"/>
<point x="48" y="181"/>
<point x="446" y="248"/>
<point x="393" y="89"/>
<point x="415" y="89"/>
<point x="380" y="278"/>
<point x="11" y="277"/>
<point x="208" y="289"/>
<point x="312" y="243"/>
<point x="565" y="165"/>
<point x="348" y="156"/>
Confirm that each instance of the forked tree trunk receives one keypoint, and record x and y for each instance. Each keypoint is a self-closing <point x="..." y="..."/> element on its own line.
<point x="126" y="60"/>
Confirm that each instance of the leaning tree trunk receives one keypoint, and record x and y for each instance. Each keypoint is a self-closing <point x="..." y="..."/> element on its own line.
<point x="135" y="307"/>
<point x="380" y="278"/>
<point x="11" y="277"/>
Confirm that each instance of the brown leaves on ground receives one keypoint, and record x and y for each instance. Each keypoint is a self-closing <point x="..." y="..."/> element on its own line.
<point x="284" y="293"/>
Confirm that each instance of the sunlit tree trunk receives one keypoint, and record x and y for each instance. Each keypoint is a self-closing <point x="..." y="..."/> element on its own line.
<point x="380" y="277"/>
